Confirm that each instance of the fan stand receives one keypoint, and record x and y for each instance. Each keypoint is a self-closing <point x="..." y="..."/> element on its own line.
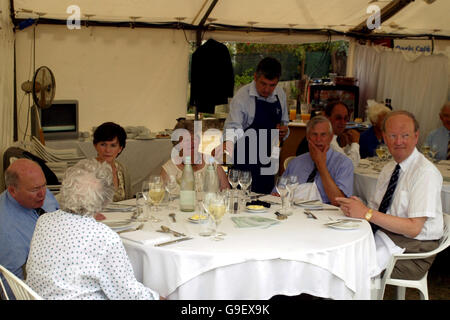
<point x="36" y="129"/>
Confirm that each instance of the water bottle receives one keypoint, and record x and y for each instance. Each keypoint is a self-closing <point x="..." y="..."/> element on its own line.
<point x="187" y="187"/>
<point x="210" y="179"/>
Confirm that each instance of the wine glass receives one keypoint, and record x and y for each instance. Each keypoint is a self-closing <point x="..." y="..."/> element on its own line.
<point x="233" y="179"/>
<point x="283" y="191"/>
<point x="141" y="207"/>
<point x="381" y="151"/>
<point x="217" y="210"/>
<point x="433" y="152"/>
<point x="425" y="149"/>
<point x="245" y="180"/>
<point x="171" y="188"/>
<point x="156" y="194"/>
<point x="292" y="184"/>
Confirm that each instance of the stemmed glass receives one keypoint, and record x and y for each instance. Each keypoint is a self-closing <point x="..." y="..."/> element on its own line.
<point x="217" y="210"/>
<point x="171" y="188"/>
<point x="233" y="179"/>
<point x="245" y="180"/>
<point x="283" y="191"/>
<point x="425" y="149"/>
<point x="381" y="152"/>
<point x="156" y="191"/>
<point x="292" y="184"/>
<point x="433" y="152"/>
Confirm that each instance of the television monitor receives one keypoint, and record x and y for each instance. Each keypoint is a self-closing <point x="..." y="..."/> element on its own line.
<point x="60" y="121"/>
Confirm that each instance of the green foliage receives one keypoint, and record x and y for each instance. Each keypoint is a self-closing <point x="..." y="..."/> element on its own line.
<point x="244" y="78"/>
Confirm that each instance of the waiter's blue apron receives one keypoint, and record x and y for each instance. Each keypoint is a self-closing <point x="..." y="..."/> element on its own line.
<point x="267" y="116"/>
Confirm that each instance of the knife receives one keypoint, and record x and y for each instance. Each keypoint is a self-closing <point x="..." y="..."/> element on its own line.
<point x="173" y="241"/>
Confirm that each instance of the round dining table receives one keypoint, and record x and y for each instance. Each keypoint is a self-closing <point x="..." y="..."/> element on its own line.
<point x="253" y="261"/>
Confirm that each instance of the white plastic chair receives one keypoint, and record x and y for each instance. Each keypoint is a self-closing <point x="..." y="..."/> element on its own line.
<point x="286" y="161"/>
<point x="18" y="287"/>
<point x="421" y="284"/>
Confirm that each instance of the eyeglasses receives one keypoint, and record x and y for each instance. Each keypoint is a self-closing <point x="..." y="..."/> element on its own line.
<point x="394" y="137"/>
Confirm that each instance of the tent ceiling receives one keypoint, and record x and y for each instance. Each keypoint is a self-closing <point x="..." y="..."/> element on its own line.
<point x="416" y="18"/>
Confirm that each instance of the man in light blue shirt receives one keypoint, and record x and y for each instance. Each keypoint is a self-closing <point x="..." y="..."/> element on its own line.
<point x="330" y="170"/>
<point x="20" y="206"/>
<point x="441" y="136"/>
<point x="256" y="123"/>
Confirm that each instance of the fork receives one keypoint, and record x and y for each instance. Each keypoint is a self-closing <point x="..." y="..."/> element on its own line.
<point x="309" y="214"/>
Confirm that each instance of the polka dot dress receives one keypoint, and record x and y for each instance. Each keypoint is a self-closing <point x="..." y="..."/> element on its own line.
<point x="76" y="257"/>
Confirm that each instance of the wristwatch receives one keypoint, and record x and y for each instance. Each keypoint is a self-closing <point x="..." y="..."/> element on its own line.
<point x="368" y="215"/>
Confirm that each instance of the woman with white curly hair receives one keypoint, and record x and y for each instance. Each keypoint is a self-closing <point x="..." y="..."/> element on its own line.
<point x="372" y="137"/>
<point x="72" y="256"/>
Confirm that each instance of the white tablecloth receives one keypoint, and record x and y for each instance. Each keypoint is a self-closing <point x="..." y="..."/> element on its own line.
<point x="142" y="158"/>
<point x="299" y="255"/>
<point x="365" y="181"/>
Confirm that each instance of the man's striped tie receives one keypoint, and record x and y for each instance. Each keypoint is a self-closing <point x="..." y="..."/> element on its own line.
<point x="312" y="175"/>
<point x="387" y="198"/>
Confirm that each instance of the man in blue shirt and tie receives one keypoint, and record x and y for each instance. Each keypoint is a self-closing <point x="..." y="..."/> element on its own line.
<point x="21" y="204"/>
<point x="440" y="138"/>
<point x="328" y="170"/>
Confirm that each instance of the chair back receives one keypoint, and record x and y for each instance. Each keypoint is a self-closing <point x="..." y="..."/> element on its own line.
<point x="20" y="289"/>
<point x="286" y="161"/>
<point x="444" y="242"/>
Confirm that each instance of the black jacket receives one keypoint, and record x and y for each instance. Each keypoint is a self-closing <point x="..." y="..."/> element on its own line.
<point x="212" y="76"/>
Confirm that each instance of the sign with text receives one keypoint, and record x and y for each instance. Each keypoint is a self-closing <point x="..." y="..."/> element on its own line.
<point x="414" y="46"/>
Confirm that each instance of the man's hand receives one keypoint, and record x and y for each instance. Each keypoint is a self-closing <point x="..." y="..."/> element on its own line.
<point x="283" y="130"/>
<point x="353" y="135"/>
<point x="352" y="207"/>
<point x="319" y="157"/>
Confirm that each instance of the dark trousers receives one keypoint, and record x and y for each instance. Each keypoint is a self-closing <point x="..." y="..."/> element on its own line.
<point x="412" y="269"/>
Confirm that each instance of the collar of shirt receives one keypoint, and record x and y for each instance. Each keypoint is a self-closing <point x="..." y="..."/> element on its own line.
<point x="254" y="93"/>
<point x="405" y="164"/>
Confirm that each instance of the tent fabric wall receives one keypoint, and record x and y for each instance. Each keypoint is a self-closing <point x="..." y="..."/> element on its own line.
<point x="135" y="77"/>
<point x="6" y="81"/>
<point x="419" y="86"/>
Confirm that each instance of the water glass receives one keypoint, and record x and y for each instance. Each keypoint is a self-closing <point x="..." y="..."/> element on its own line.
<point x="283" y="191"/>
<point x="141" y="207"/>
<point x="171" y="188"/>
<point x="292" y="184"/>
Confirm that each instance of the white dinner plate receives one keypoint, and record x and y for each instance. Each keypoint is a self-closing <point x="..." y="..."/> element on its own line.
<point x="113" y="224"/>
<point x="344" y="225"/>
<point x="310" y="205"/>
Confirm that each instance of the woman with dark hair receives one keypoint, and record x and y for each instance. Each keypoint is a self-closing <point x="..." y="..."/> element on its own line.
<point x="109" y="141"/>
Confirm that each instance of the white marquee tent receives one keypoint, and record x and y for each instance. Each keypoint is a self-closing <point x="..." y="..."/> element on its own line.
<point x="128" y="62"/>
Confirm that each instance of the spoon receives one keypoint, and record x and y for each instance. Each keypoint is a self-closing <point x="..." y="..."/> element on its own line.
<point x="280" y="216"/>
<point x="168" y="230"/>
<point x="172" y="215"/>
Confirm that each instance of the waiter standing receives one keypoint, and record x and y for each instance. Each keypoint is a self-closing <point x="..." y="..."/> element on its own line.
<point x="257" y="122"/>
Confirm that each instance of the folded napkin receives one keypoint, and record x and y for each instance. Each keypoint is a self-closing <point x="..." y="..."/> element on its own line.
<point x="145" y="237"/>
<point x="270" y="198"/>
<point x="251" y="222"/>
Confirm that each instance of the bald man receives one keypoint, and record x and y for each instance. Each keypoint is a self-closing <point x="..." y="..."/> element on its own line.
<point x="26" y="193"/>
